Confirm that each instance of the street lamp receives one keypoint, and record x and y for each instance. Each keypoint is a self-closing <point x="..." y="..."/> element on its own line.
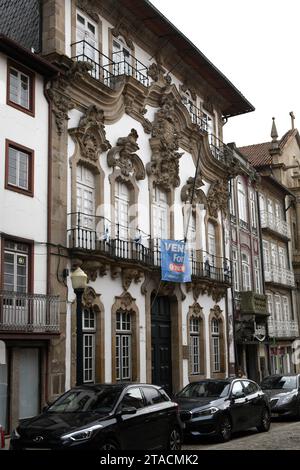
<point x="79" y="281"/>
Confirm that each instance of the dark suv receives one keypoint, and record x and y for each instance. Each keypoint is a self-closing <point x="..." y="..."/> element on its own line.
<point x="221" y="407"/>
<point x="104" y="417"/>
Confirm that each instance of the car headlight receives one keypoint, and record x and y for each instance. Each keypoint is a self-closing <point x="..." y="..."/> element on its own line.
<point x="287" y="398"/>
<point x="15" y="434"/>
<point x="82" y="435"/>
<point x="206" y="412"/>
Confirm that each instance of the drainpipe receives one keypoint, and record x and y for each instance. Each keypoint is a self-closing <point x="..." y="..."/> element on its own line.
<point x="49" y="184"/>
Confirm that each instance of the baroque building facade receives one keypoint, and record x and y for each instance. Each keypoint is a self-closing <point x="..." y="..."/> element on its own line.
<point x="137" y="156"/>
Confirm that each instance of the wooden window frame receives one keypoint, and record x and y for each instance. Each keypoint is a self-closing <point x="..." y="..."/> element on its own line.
<point x="31" y="110"/>
<point x="30" y="152"/>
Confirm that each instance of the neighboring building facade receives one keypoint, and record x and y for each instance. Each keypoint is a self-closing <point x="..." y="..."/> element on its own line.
<point x="130" y="125"/>
<point x="29" y="316"/>
<point x="250" y="305"/>
<point x="277" y="205"/>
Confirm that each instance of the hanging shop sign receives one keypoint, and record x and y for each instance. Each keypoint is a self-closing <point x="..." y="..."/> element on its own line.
<point x="175" y="264"/>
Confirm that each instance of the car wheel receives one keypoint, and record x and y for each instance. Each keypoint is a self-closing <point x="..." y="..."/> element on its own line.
<point x="109" y="445"/>
<point x="225" y="429"/>
<point x="265" y="421"/>
<point x="174" y="441"/>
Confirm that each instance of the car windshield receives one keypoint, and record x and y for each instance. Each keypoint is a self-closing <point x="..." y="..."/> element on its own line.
<point x="100" y="400"/>
<point x="217" y="389"/>
<point x="281" y="382"/>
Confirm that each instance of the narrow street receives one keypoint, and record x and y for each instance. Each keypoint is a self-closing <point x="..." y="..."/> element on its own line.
<point x="283" y="435"/>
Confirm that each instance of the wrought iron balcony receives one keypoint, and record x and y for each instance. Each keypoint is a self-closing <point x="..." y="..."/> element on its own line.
<point x="29" y="313"/>
<point x="279" y="275"/>
<point x="220" y="151"/>
<point x="196" y="115"/>
<point x="269" y="221"/>
<point x="283" y="329"/>
<point x="203" y="265"/>
<point x="105" y="69"/>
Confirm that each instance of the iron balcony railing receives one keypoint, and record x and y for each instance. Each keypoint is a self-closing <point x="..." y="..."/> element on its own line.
<point x="203" y="265"/>
<point x="196" y="115"/>
<point x="279" y="275"/>
<point x="274" y="223"/>
<point x="34" y="313"/>
<point x="105" y="69"/>
<point x="219" y="150"/>
<point x="283" y="329"/>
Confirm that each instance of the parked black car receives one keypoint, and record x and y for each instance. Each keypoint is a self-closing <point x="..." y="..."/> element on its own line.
<point x="220" y="407"/>
<point x="284" y="394"/>
<point x="104" y="417"/>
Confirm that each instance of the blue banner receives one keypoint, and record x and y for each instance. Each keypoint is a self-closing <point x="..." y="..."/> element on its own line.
<point x="175" y="264"/>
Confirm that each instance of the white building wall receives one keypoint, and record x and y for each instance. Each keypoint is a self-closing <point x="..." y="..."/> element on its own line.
<point x="21" y="215"/>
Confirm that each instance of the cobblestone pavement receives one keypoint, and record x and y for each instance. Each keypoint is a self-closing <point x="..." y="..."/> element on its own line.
<point x="283" y="435"/>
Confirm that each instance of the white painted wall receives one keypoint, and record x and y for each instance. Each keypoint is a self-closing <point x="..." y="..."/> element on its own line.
<point x="24" y="216"/>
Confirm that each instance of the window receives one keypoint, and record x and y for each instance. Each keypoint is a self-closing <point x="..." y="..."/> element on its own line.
<point x="19" y="168"/>
<point x="262" y="205"/>
<point x="253" y="209"/>
<point x="250" y="387"/>
<point x="274" y="255"/>
<point x="282" y="258"/>
<point x="15" y="266"/>
<point x="86" y="39"/>
<point x="232" y="199"/>
<point x="133" y="398"/>
<point x="212" y="247"/>
<point x="216" y="352"/>
<point x="246" y="272"/>
<point x="191" y="232"/>
<point x="278" y="214"/>
<point x="237" y="388"/>
<point x="154" y="396"/>
<point x="160" y="213"/>
<point x="285" y="308"/>
<point x="257" y="276"/>
<point x="20" y="88"/>
<point x="195" y="345"/>
<point x="208" y="123"/>
<point x="235" y="266"/>
<point x="278" y="312"/>
<point x="85" y="197"/>
<point x="89" y="332"/>
<point x="190" y="106"/>
<point x="270" y="304"/>
<point x="121" y="57"/>
<point x="122" y="202"/>
<point x="242" y="204"/>
<point x="123" y="345"/>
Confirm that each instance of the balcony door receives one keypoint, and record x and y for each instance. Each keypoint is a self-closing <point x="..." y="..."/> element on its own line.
<point x="121" y="58"/>
<point x="15" y="280"/>
<point x="29" y="382"/>
<point x="85" y="222"/>
<point x="86" y="42"/>
<point x="160" y="217"/>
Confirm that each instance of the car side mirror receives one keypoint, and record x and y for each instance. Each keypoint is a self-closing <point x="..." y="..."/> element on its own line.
<point x="127" y="410"/>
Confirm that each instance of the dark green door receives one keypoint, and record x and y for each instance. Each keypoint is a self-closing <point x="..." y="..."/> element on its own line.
<point x="161" y="343"/>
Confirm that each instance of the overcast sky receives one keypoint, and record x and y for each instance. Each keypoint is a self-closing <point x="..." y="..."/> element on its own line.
<point x="256" y="44"/>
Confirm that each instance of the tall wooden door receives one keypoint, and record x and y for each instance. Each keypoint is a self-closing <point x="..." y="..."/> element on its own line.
<point x="161" y="343"/>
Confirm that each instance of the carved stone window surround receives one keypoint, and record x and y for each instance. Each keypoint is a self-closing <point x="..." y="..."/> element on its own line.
<point x="195" y="311"/>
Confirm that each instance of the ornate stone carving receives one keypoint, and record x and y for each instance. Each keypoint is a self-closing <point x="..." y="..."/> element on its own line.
<point x="128" y="275"/>
<point x="60" y="106"/>
<point x="167" y="288"/>
<point x="88" y="7"/>
<point x="187" y="191"/>
<point x="164" y="165"/>
<point x="126" y="300"/>
<point x="89" y="297"/>
<point x="198" y="288"/>
<point x="217" y="311"/>
<point x="122" y="30"/>
<point x="186" y="87"/>
<point x="92" y="268"/>
<point x="217" y="293"/>
<point x="115" y="271"/>
<point x="217" y="198"/>
<point x="123" y="157"/>
<point x="157" y="73"/>
<point x="195" y="309"/>
<point x="91" y="135"/>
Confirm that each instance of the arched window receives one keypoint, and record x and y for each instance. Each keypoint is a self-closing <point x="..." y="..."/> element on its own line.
<point x="242" y="201"/>
<point x="211" y="243"/>
<point x="89" y="333"/>
<point x="216" y="350"/>
<point x="123" y="345"/>
<point x="195" y="345"/>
